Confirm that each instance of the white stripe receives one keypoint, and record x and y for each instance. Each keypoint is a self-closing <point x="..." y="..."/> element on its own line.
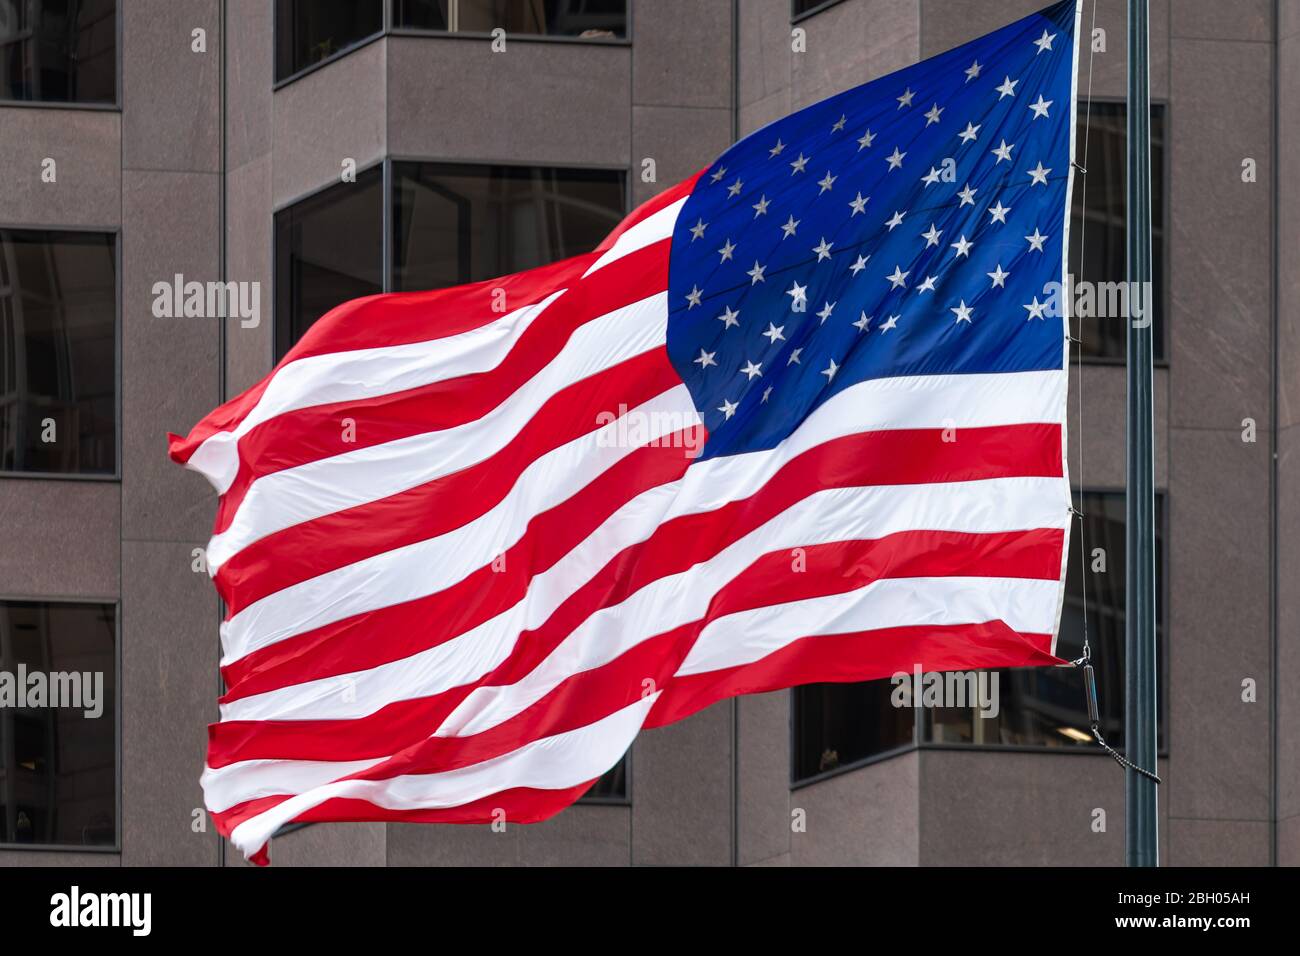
<point x="981" y="507"/>
<point x="837" y="514"/>
<point x="362" y="373"/>
<point x="428" y="566"/>
<point x="648" y="231"/>
<point x="236" y="783"/>
<point x="403" y="574"/>
<point x="550" y="763"/>
<point x="317" y="488"/>
<point x="1026" y="605"/>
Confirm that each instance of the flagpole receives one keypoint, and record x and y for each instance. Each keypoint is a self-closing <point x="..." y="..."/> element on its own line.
<point x="1140" y="826"/>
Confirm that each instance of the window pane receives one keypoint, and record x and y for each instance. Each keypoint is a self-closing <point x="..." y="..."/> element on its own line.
<point x="308" y="31"/>
<point x="611" y="786"/>
<point x="454" y="224"/>
<point x="58" y="51"/>
<point x="587" y="19"/>
<point x="58" y="764"/>
<point x="803" y="6"/>
<point x="1044" y="706"/>
<point x="58" y="347"/>
<point x="840" y="724"/>
<point x="328" y="249"/>
<point x="1100" y="226"/>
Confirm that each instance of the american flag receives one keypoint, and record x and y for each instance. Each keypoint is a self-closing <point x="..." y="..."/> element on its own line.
<point x="799" y="418"/>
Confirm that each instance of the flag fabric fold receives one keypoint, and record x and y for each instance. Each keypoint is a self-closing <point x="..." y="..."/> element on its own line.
<point x="799" y="418"/>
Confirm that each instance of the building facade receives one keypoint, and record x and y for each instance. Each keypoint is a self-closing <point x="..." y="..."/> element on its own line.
<point x="317" y="151"/>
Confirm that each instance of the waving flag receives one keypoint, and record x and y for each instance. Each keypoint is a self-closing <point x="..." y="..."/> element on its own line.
<point x="799" y="418"/>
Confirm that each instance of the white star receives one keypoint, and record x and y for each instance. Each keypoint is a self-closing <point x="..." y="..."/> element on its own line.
<point x="756" y="274"/>
<point x="727" y="249"/>
<point x="728" y="408"/>
<point x="906" y="98"/>
<point x="931" y="177"/>
<point x="999" y="277"/>
<point x="823" y="249"/>
<point x="932" y="236"/>
<point x="864" y="323"/>
<point x="1036" y="241"/>
<point x="1044" y="43"/>
<point x="767" y="392"/>
<point x="794" y="358"/>
<point x="693" y="297"/>
<point x="1003" y="152"/>
<point x="1038" y="175"/>
<point x="932" y="117"/>
<point x="926" y="286"/>
<point x="1008" y="88"/>
<point x="895" y="220"/>
<point x="751" y="371"/>
<point x="891" y="323"/>
<point x="826" y="182"/>
<point x="799" y="164"/>
<point x="967" y="196"/>
<point x="867" y="138"/>
<point x="776" y="150"/>
<point x="728" y="318"/>
<point x="790" y="226"/>
<point x="970" y="132"/>
<point x="826" y="311"/>
<point x="830" y="370"/>
<point x="858" y="205"/>
<point x="962" y="312"/>
<point x="999" y="213"/>
<point x="706" y="359"/>
<point x="973" y="71"/>
<point x="1036" y="310"/>
<point x="895" y="160"/>
<point x="899" y="279"/>
<point x="962" y="246"/>
<point x="735" y="188"/>
<point x="774" y="332"/>
<point x="697" y="230"/>
<point x="859" y="264"/>
<point x="717" y="177"/>
<point x="839" y="123"/>
<point x="1040" y="108"/>
<point x="798" y="294"/>
<point x="761" y="206"/>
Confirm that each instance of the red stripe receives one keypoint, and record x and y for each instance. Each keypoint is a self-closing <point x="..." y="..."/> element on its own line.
<point x="419" y="317"/>
<point x="869" y="458"/>
<point x="859" y="656"/>
<point x="355" y="643"/>
<point x="313" y="433"/>
<point x="586" y="697"/>
<point x="311" y="548"/>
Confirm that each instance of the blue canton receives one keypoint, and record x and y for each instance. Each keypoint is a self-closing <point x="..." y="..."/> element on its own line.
<point x="911" y="226"/>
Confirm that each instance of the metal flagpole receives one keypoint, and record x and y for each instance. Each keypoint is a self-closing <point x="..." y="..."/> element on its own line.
<point x="1140" y="825"/>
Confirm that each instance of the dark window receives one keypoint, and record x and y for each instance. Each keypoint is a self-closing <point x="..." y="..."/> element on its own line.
<point x="328" y="249"/>
<point x="1044" y="706"/>
<point x="1105" y="258"/>
<point x="610" y="788"/>
<point x="588" y="19"/>
<point x="454" y="224"/>
<point x="800" y="7"/>
<point x="58" y="764"/>
<point x="58" y="51"/>
<point x="309" y="31"/>
<point x="58" y="347"/>
<point x="837" y="725"/>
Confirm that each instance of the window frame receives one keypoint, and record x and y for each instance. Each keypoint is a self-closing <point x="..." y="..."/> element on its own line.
<point x="116" y="475"/>
<point x="389" y="29"/>
<point x="796" y="16"/>
<point x="1166" y="169"/>
<point x="113" y="107"/>
<point x="116" y="847"/>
